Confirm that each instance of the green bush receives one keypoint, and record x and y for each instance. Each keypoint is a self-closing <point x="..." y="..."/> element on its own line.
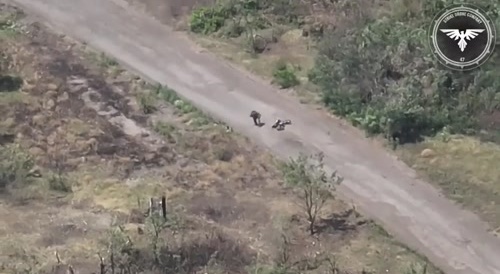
<point x="234" y="18"/>
<point x="59" y="182"/>
<point x="167" y="94"/>
<point x="382" y="76"/>
<point x="147" y="102"/>
<point x="207" y="20"/>
<point x="285" y="77"/>
<point x="10" y="83"/>
<point x="166" y="130"/>
<point x="183" y="107"/>
<point x="15" y="166"/>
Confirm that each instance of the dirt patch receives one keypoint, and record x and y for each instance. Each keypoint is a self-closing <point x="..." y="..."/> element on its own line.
<point x="226" y="209"/>
<point x="59" y="234"/>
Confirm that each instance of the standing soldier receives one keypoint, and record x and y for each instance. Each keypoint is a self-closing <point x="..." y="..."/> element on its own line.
<point x="256" y="117"/>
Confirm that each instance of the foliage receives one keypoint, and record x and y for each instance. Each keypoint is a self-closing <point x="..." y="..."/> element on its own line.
<point x="155" y="225"/>
<point x="285" y="76"/>
<point x="8" y="26"/>
<point x="207" y="20"/>
<point x="147" y="102"/>
<point x="15" y="166"/>
<point x="224" y="154"/>
<point x="106" y="61"/>
<point x="184" y="107"/>
<point x="167" y="94"/>
<point x="382" y="76"/>
<point x="233" y="18"/>
<point x="59" y="182"/>
<point x="10" y="83"/>
<point x="307" y="173"/>
<point x="120" y="250"/>
<point x="166" y="130"/>
<point x="170" y="255"/>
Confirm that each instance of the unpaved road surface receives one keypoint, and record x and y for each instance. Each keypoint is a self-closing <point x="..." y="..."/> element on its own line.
<point x="382" y="187"/>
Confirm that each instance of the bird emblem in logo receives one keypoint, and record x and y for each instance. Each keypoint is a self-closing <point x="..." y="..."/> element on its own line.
<point x="462" y="37"/>
<point x="456" y="34"/>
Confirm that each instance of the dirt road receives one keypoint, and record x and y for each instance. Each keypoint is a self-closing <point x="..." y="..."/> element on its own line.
<point x="383" y="188"/>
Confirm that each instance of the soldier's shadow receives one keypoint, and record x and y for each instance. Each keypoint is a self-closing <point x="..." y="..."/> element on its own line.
<point x="261" y="124"/>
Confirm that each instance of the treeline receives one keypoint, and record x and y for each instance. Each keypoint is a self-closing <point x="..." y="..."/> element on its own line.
<point x="374" y="66"/>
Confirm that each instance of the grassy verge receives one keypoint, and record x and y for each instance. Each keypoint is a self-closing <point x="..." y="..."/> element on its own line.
<point x="464" y="167"/>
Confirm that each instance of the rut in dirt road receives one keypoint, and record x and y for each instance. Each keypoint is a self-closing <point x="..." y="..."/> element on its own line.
<point x="384" y="188"/>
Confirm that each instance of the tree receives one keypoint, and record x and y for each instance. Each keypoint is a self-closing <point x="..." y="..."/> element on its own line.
<point x="120" y="247"/>
<point x="315" y="185"/>
<point x="155" y="224"/>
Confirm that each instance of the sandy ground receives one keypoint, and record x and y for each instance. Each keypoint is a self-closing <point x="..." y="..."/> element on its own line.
<point x="382" y="187"/>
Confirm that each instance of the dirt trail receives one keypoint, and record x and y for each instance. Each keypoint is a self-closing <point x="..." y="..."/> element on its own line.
<point x="384" y="188"/>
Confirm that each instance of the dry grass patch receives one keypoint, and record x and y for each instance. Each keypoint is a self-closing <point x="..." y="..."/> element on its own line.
<point x="7" y="98"/>
<point x="378" y="252"/>
<point x="465" y="168"/>
<point x="122" y="196"/>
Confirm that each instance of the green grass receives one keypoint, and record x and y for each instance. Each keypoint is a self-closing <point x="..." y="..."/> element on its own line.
<point x="8" y="26"/>
<point x="192" y="115"/>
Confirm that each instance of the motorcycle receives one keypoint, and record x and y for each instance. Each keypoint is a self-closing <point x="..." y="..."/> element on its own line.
<point x="280" y="124"/>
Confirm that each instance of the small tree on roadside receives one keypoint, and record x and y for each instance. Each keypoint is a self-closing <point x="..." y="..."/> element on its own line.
<point x="119" y="246"/>
<point x="155" y="224"/>
<point x="315" y="185"/>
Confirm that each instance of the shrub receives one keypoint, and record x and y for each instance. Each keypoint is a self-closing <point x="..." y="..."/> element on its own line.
<point x="59" y="183"/>
<point x="147" y="102"/>
<point x="388" y="82"/>
<point x="15" y="166"/>
<point x="167" y="94"/>
<point x="285" y="76"/>
<point x="10" y="83"/>
<point x="166" y="130"/>
<point x="208" y="20"/>
<point x="223" y="155"/>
